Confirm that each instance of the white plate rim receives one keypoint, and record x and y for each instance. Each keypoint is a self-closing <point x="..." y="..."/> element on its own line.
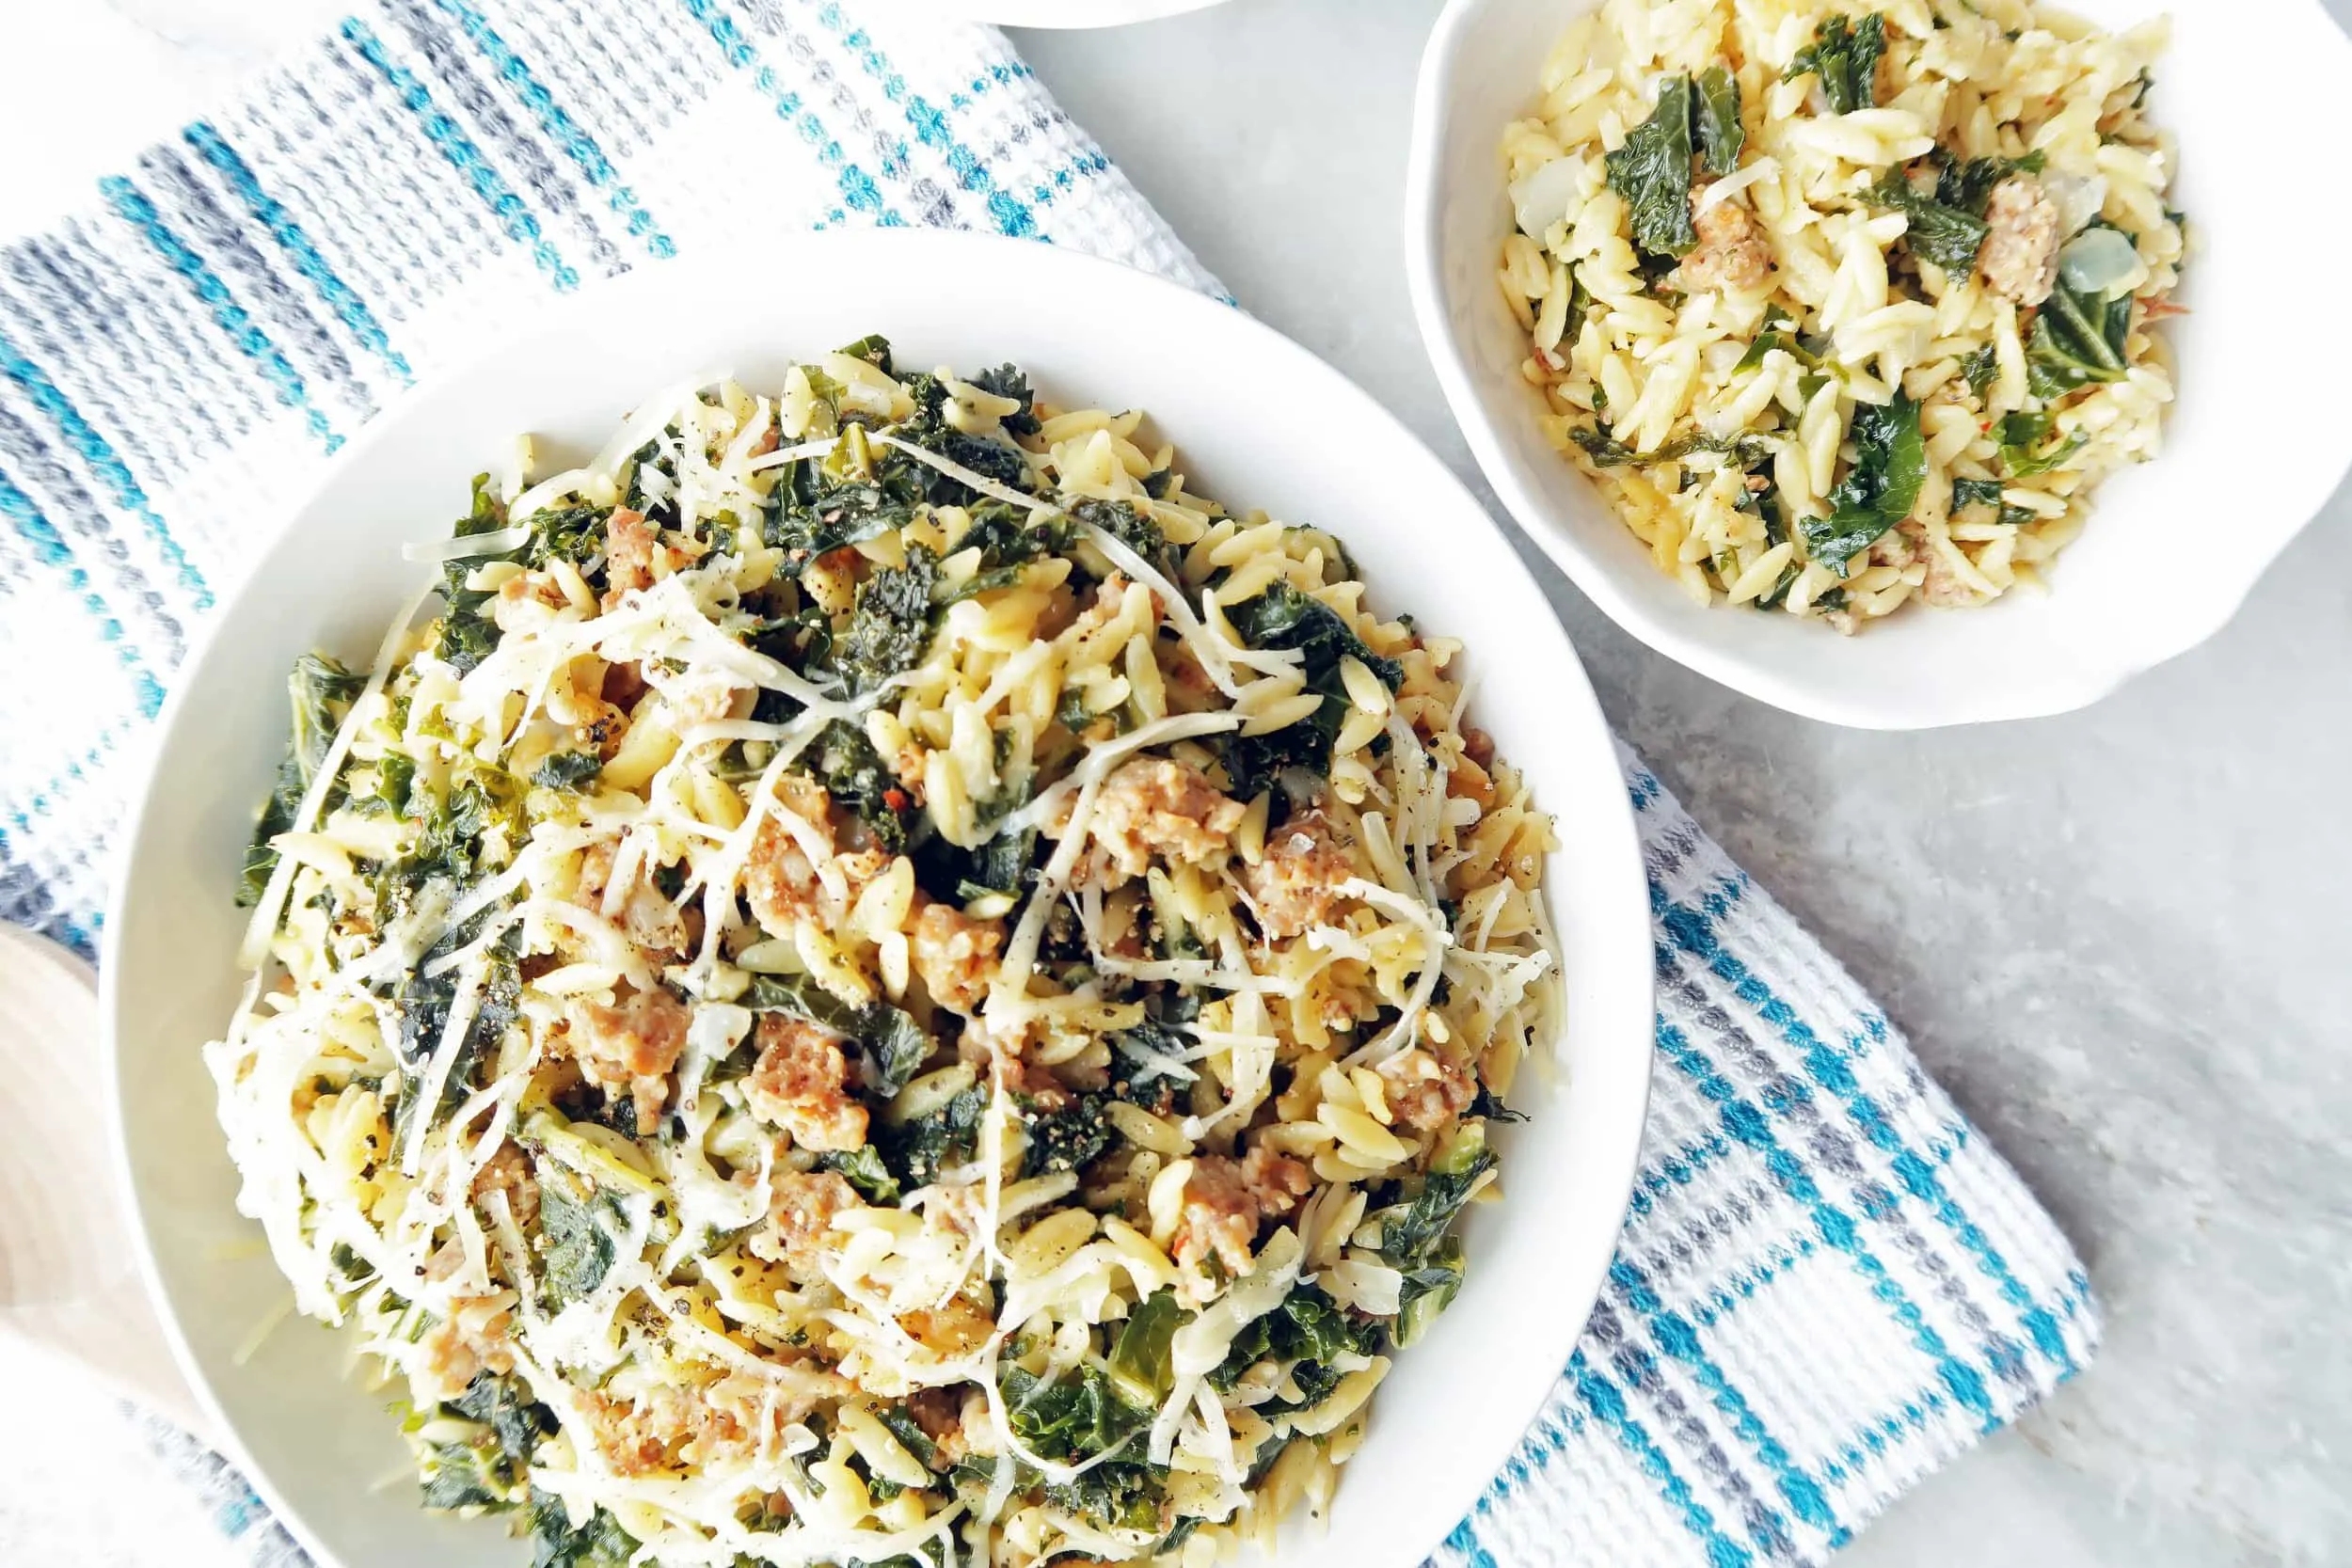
<point x="1612" y="837"/>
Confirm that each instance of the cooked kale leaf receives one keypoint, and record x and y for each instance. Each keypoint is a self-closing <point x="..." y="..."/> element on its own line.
<point x="891" y="625"/>
<point x="1890" y="467"/>
<point x="395" y="779"/>
<point x="1140" y="1361"/>
<point x="910" y="1434"/>
<point x="1968" y="184"/>
<point x="2024" y="454"/>
<point x="1981" y="370"/>
<point x="1010" y="381"/>
<point x="845" y="762"/>
<point x="912" y="1438"/>
<point x="1845" y="54"/>
<point x="891" y="1045"/>
<point x="1067" y="1138"/>
<point x="1009" y="539"/>
<point x="1781" y="333"/>
<point x="1607" y="451"/>
<point x="423" y="1004"/>
<point x="1652" y="172"/>
<point x="580" y="1241"/>
<point x="1118" y="1495"/>
<point x="1948" y="236"/>
<point x="504" y="1405"/>
<point x="1182" y="1531"/>
<point x="569" y="534"/>
<point x="863" y="488"/>
<point x="1987" y="492"/>
<point x="1947" y="225"/>
<point x="1005" y="863"/>
<point x="928" y="429"/>
<point x="1408" y="1240"/>
<point x="489" y="1471"/>
<point x="447" y="845"/>
<point x="875" y="350"/>
<point x="1074" y="1417"/>
<point x="1975" y="492"/>
<point x="819" y="505"/>
<point x="1603" y="447"/>
<point x="1427" y="1291"/>
<point x="467" y="634"/>
<point x="1008" y="536"/>
<point x="321" y="692"/>
<point x="638" y="496"/>
<point x="915" y="1149"/>
<point x="1143" y="1075"/>
<point x="1283" y="617"/>
<point x="1721" y="133"/>
<point x="568" y="770"/>
<point x="1488" y="1105"/>
<point x="464" y="1474"/>
<point x="1139" y="531"/>
<point x="2077" y="339"/>
<point x="554" y="1544"/>
<point x="864" y="1169"/>
<point x="1765" y="503"/>
<point x="1307" y="1332"/>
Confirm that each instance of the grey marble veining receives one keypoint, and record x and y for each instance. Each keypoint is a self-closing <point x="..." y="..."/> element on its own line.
<point x="2118" y="937"/>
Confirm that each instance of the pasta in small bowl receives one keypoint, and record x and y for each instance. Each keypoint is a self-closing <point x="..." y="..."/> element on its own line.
<point x="1776" y="317"/>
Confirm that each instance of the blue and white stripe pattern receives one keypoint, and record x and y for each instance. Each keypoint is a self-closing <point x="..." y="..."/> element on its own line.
<point x="175" y="364"/>
<point x="1828" y="1284"/>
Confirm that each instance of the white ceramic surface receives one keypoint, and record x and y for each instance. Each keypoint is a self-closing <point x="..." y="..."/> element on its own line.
<point x="1212" y="379"/>
<point x="1063" y="14"/>
<point x="2259" y="438"/>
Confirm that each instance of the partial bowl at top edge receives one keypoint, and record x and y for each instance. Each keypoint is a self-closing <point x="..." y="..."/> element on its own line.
<point x="2173" y="546"/>
<point x="1064" y="14"/>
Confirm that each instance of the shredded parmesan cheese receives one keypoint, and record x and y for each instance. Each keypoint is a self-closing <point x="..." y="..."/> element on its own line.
<point x="769" y="1121"/>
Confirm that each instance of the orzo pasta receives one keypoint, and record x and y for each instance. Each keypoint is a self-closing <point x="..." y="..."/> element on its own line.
<point x="882" y="984"/>
<point x="1846" y="308"/>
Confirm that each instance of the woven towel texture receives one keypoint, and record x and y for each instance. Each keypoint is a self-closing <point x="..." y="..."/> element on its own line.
<point x="1828" y="1284"/>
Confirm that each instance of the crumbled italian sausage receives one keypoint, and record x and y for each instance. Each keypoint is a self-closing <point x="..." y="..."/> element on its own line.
<point x="1154" y="805"/>
<point x="2020" y="255"/>
<point x="800" y="1083"/>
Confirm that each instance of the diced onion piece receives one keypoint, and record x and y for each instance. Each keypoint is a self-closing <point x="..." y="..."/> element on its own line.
<point x="1547" y="196"/>
<point x="2099" y="263"/>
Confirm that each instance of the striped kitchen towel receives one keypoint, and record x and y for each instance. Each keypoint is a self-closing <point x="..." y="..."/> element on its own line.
<point x="1828" y="1284"/>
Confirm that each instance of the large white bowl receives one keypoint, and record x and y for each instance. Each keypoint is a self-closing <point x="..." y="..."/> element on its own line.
<point x="2260" y="435"/>
<point x="1260" y="423"/>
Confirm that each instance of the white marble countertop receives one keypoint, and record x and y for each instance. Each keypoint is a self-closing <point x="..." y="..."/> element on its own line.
<point x="2118" y="937"/>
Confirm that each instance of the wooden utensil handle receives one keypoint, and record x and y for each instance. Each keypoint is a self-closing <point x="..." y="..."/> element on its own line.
<point x="69" y="1271"/>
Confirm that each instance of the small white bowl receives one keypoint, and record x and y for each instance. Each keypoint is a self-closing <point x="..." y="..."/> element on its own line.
<point x="1259" y="421"/>
<point x="2259" y="438"/>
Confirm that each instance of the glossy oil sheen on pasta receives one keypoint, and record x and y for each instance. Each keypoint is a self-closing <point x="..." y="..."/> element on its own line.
<point x="882" y="984"/>
<point x="1846" y="308"/>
